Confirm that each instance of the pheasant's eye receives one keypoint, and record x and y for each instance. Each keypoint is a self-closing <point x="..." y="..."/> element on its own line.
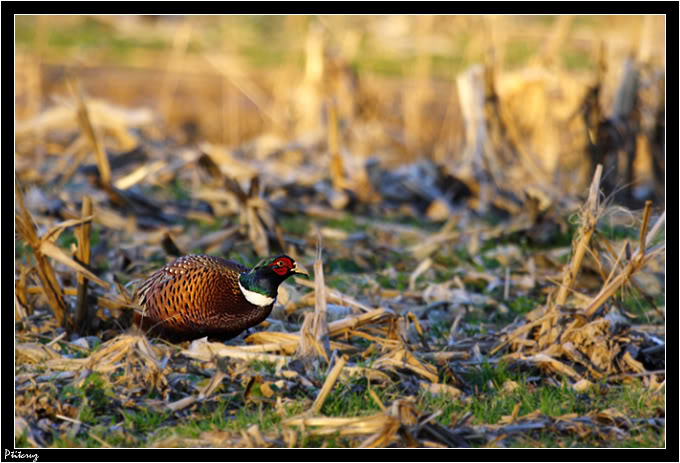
<point x="280" y="267"/>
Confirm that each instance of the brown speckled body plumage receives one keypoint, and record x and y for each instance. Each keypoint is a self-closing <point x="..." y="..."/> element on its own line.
<point x="199" y="295"/>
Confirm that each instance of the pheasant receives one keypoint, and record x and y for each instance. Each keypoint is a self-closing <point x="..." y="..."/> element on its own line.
<point x="201" y="295"/>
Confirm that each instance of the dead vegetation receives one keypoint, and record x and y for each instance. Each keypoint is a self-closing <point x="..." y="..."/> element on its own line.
<point x="463" y="294"/>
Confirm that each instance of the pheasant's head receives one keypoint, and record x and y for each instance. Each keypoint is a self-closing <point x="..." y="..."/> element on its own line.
<point x="260" y="284"/>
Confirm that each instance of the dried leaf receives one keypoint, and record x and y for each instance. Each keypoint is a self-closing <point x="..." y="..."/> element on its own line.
<point x="51" y="250"/>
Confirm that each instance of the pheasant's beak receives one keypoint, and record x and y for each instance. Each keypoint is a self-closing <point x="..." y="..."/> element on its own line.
<point x="300" y="270"/>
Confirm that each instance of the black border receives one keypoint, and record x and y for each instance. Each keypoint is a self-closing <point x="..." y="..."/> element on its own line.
<point x="615" y="8"/>
<point x="341" y="8"/>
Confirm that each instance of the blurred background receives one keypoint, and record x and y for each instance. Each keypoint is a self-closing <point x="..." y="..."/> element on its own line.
<point x="395" y="84"/>
<point x="428" y="117"/>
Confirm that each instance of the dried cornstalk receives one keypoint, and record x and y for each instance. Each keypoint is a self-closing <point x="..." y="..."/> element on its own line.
<point x="83" y="236"/>
<point x="328" y="384"/>
<point x="21" y="292"/>
<point x="547" y="361"/>
<point x="309" y="347"/>
<point x="357" y="426"/>
<point x="87" y="127"/>
<point x="139" y="174"/>
<point x="257" y="215"/>
<point x="385" y="343"/>
<point x="233" y="70"/>
<point x="314" y="334"/>
<point x="549" y="332"/>
<point x="336" y="165"/>
<point x="423" y="267"/>
<point x="350" y="323"/>
<point x="256" y="232"/>
<point x="636" y="262"/>
<point x="206" y="351"/>
<point x="50" y="249"/>
<point x="25" y="228"/>
<point x="175" y="65"/>
<point x="20" y="310"/>
<point x="434" y="242"/>
<point x="590" y="215"/>
<point x="102" y="301"/>
<point x="320" y="327"/>
<point x="113" y="354"/>
<point x="31" y="352"/>
<point x="333" y="296"/>
<point x="523" y="330"/>
<point x="283" y="341"/>
<point x="268" y="341"/>
<point x="181" y="403"/>
<point x="360" y="372"/>
<point x="402" y="415"/>
<point x="402" y="358"/>
<point x="212" y="386"/>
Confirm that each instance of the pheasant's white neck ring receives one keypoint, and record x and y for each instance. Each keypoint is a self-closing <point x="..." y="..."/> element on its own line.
<point x="254" y="298"/>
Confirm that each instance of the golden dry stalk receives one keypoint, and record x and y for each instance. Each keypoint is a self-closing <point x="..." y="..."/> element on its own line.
<point x="256" y="215"/>
<point x="328" y="384"/>
<point x="555" y="336"/>
<point x="591" y="214"/>
<point x="86" y="125"/>
<point x="83" y="236"/>
<point x="26" y="229"/>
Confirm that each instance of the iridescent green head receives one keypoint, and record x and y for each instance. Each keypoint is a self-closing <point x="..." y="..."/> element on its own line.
<point x="261" y="283"/>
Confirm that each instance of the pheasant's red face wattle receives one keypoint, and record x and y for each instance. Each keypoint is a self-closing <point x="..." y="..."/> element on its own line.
<point x="282" y="265"/>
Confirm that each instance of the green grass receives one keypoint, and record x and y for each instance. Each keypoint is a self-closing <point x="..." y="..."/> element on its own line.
<point x="346" y="283"/>
<point x="22" y="441"/>
<point x="485" y="398"/>
<point x="352" y="399"/>
<point x="342" y="265"/>
<point x="296" y="225"/>
<point x="21" y="249"/>
<point x="617" y="232"/>
<point x="491" y="403"/>
<point x="83" y="35"/>
<point x="228" y="416"/>
<point x="519" y="51"/>
<point x="264" y="367"/>
<point x="399" y="282"/>
<point x="522" y="305"/>
<point x="481" y="375"/>
<point x="332" y="441"/>
<point x="93" y="397"/>
<point x="640" y="306"/>
<point x="66" y="239"/>
<point x="440" y="330"/>
<point x="143" y="421"/>
<point x="577" y="60"/>
<point x="179" y="190"/>
<point x="348" y="223"/>
<point x="490" y="263"/>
